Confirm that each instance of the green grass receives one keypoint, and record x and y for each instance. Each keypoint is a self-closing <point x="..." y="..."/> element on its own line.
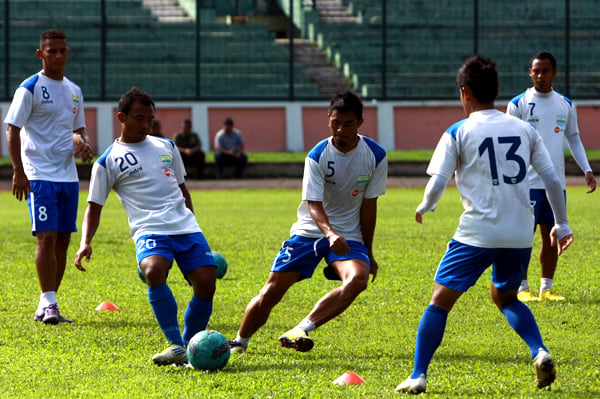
<point x="107" y="354"/>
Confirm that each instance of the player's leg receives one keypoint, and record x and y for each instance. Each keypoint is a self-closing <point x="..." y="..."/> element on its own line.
<point x="549" y="261"/>
<point x="460" y="268"/>
<point x="354" y="274"/>
<point x="296" y="260"/>
<point x="537" y="198"/>
<point x="430" y="334"/>
<point x="195" y="260"/>
<point x="240" y="166"/>
<point x="507" y="272"/>
<point x="548" y="254"/>
<point x="259" y="308"/>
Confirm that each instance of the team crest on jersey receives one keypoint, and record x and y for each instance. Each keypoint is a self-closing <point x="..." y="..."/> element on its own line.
<point x="166" y="160"/>
<point x="362" y="182"/>
<point x="75" y="103"/>
<point x="561" y="121"/>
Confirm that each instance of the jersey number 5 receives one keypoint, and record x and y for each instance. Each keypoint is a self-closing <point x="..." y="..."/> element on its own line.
<point x="488" y="146"/>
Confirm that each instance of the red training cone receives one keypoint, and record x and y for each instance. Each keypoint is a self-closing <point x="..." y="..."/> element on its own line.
<point x="108" y="306"/>
<point x="349" y="378"/>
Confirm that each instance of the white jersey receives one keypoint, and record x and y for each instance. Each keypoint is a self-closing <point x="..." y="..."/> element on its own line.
<point x="47" y="111"/>
<point x="554" y="116"/>
<point x="341" y="181"/>
<point x="490" y="153"/>
<point x="146" y="177"/>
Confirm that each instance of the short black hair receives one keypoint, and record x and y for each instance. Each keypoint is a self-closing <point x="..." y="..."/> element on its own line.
<point x="228" y="122"/>
<point x="479" y="74"/>
<point x="543" y="55"/>
<point x="51" y="34"/>
<point x="135" y="94"/>
<point x="347" y="102"/>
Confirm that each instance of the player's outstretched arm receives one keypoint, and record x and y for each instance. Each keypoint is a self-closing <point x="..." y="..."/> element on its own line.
<point x="91" y="221"/>
<point x="433" y="193"/>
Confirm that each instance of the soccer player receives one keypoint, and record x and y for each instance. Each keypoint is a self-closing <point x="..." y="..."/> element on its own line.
<point x="555" y="118"/>
<point x="45" y="114"/>
<point x="343" y="176"/>
<point x="147" y="174"/>
<point x="489" y="152"/>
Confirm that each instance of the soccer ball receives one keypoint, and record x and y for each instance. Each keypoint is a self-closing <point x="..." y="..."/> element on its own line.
<point x="208" y="350"/>
<point x="141" y="274"/>
<point x="221" y="264"/>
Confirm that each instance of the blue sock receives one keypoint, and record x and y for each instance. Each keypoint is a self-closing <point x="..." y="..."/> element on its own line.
<point x="522" y="321"/>
<point x="196" y="317"/>
<point x="429" y="337"/>
<point x="165" y="310"/>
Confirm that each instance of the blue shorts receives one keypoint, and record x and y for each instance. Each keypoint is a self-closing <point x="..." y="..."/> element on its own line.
<point x="191" y="251"/>
<point x="303" y="254"/>
<point x="462" y="265"/>
<point x="53" y="206"/>
<point x="542" y="210"/>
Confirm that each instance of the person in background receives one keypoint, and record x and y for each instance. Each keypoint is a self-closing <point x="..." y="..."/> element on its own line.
<point x="229" y="150"/>
<point x="156" y="129"/>
<point x="555" y="119"/>
<point x="147" y="174"/>
<point x="344" y="175"/>
<point x="46" y="128"/>
<point x="190" y="147"/>
<point x="489" y="153"/>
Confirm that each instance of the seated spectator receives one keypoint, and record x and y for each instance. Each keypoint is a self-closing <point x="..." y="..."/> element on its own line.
<point x="190" y="147"/>
<point x="157" y="129"/>
<point x="229" y="150"/>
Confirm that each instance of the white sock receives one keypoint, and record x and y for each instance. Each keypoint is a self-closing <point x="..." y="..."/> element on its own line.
<point x="243" y="341"/>
<point x="46" y="299"/>
<point x="307" y="325"/>
<point x="547" y="283"/>
<point x="524" y="285"/>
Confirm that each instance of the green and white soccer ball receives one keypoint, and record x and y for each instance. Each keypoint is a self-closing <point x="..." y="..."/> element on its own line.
<point x="208" y="350"/>
<point x="221" y="264"/>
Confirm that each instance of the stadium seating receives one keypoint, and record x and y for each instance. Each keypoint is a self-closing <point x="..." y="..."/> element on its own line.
<point x="425" y="43"/>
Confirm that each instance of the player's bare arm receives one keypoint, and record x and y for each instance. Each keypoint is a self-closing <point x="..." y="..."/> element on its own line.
<point x="20" y="182"/>
<point x="368" y="219"/>
<point x="337" y="242"/>
<point x="187" y="196"/>
<point x="91" y="221"/>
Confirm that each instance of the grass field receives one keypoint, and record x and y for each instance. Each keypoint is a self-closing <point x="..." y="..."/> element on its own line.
<point x="107" y="354"/>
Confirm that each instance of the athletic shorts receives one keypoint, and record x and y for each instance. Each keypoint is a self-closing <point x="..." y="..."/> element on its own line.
<point x="303" y="254"/>
<point x="191" y="251"/>
<point x="462" y="265"/>
<point x="53" y="206"/>
<point x="542" y="210"/>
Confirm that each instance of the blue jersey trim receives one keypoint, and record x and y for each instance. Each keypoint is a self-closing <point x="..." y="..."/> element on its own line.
<point x="454" y="128"/>
<point x="566" y="99"/>
<point x="518" y="98"/>
<point x="377" y="150"/>
<point x="30" y="83"/>
<point x="317" y="150"/>
<point x="102" y="159"/>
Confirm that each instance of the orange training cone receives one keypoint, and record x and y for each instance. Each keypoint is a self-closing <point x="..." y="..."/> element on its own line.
<point x="349" y="378"/>
<point x="108" y="306"/>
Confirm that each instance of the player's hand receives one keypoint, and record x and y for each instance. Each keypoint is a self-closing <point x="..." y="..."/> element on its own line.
<point x="563" y="243"/>
<point x="84" y="150"/>
<point x="418" y="218"/>
<point x="20" y="186"/>
<point x="374" y="268"/>
<point x="590" y="181"/>
<point x="338" y="244"/>
<point x="85" y="251"/>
